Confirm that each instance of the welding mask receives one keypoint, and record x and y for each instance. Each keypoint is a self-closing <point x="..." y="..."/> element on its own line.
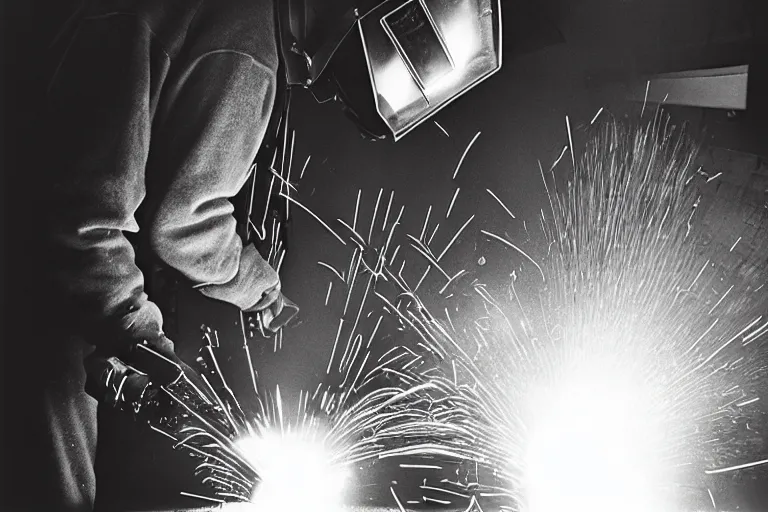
<point x="392" y="64"/>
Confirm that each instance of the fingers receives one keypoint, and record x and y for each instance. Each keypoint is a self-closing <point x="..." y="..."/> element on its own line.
<point x="268" y="314"/>
<point x="280" y="314"/>
<point x="267" y="317"/>
<point x="268" y="298"/>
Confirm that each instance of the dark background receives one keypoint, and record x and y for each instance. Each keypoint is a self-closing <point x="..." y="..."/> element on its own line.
<point x="561" y="58"/>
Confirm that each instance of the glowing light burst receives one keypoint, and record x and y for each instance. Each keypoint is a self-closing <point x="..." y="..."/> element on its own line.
<point x="256" y="454"/>
<point x="294" y="464"/>
<point x="630" y="279"/>
<point x="631" y="372"/>
<point x="593" y="423"/>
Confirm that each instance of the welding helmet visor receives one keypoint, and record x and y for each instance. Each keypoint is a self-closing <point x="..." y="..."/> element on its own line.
<point x="390" y="64"/>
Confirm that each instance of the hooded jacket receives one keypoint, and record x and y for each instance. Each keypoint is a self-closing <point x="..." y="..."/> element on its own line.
<point x="156" y="110"/>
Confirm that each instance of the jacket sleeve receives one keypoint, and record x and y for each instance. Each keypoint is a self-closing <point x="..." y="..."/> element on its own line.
<point x="114" y="92"/>
<point x="99" y="122"/>
<point x="209" y="129"/>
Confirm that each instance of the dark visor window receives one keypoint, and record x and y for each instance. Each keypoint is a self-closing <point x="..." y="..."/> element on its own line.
<point x="418" y="43"/>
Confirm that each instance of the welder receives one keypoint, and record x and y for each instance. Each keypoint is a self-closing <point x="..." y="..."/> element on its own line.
<point x="156" y="111"/>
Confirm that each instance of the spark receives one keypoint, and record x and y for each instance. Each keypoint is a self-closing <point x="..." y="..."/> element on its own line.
<point x="335" y="343"/>
<point x="712" y="499"/>
<point x="736" y="468"/>
<point x="373" y="218"/>
<point x="446" y="491"/>
<point x="358" y="237"/>
<point x="166" y="434"/>
<point x="690" y="217"/>
<point x="397" y="500"/>
<point x="304" y="168"/>
<point x="262" y="233"/>
<point x="284" y="123"/>
<point x="424" y="251"/>
<point x="645" y="99"/>
<point x="369" y="282"/>
<point x="570" y="141"/>
<point x="335" y="272"/>
<point x="423" y="276"/>
<point x="461" y="160"/>
<point x="252" y="171"/>
<point x="389" y="207"/>
<point x="198" y="496"/>
<point x="715" y="176"/>
<point x="703" y="336"/>
<point x="690" y="286"/>
<point x="455" y="237"/>
<point x="287" y="179"/>
<point x="119" y="391"/>
<point x="549" y="198"/>
<point x="357" y="210"/>
<point x="756" y="333"/>
<point x="451" y="280"/>
<point x="453" y="200"/>
<point x="501" y="203"/>
<point x="450" y="322"/>
<point x="735" y="244"/>
<point x="722" y="347"/>
<point x="560" y="157"/>
<point x="474" y="506"/>
<point x="751" y="401"/>
<point x="596" y="116"/>
<point x="314" y="216"/>
<point x="722" y="297"/>
<point x="426" y="223"/>
<point x="441" y="129"/>
<point x="513" y="246"/>
<point x="247" y="349"/>
<point x="432" y="236"/>
<point x="357" y="257"/>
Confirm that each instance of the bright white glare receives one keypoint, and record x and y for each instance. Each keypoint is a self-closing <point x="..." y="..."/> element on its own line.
<point x="296" y="474"/>
<point x="395" y="84"/>
<point x="462" y="35"/>
<point x="593" y="446"/>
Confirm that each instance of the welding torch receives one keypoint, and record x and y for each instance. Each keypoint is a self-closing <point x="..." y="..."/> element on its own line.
<point x="131" y="379"/>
